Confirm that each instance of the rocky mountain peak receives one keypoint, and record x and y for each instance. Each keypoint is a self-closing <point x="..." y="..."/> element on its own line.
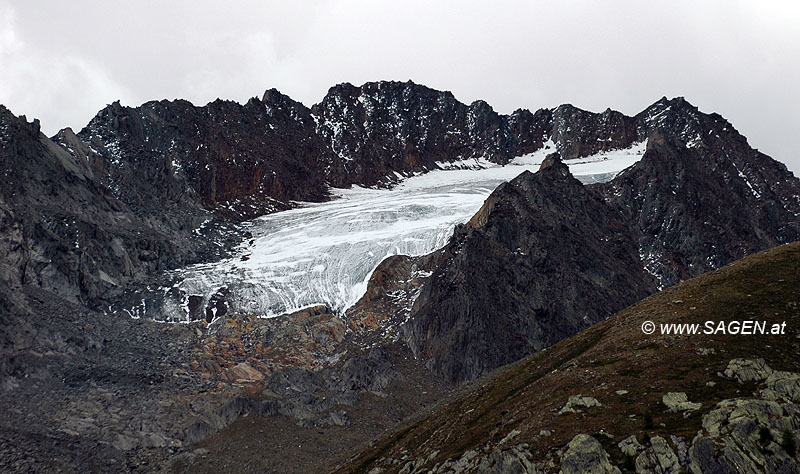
<point x="6" y="116"/>
<point x="579" y="133"/>
<point x="273" y="97"/>
<point x="83" y="155"/>
<point x="342" y="89"/>
<point x="110" y="111"/>
<point x="384" y="127"/>
<point x="237" y="160"/>
<point x="497" y="290"/>
<point x="553" y="160"/>
<point x="481" y="106"/>
<point x="11" y="125"/>
<point x="67" y="233"/>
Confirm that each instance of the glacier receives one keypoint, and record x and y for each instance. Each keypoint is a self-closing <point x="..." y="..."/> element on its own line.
<point x="324" y="253"/>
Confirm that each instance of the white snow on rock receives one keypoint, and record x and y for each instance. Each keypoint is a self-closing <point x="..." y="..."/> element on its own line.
<point x="324" y="253"/>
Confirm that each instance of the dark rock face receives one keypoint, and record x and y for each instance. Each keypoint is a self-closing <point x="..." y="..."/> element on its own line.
<point x="217" y="305"/>
<point x="697" y="209"/>
<point x="546" y="257"/>
<point x="529" y="130"/>
<point x="241" y="160"/>
<point x="62" y="229"/>
<point x="382" y="127"/>
<point x="578" y="133"/>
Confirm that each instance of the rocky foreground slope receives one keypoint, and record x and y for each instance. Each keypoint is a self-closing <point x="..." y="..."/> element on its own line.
<point x="613" y="399"/>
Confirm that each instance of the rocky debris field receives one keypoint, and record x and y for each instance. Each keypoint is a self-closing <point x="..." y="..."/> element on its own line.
<point x="91" y="392"/>
<point x="83" y="392"/>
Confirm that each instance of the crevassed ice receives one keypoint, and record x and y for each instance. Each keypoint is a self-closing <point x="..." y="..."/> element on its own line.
<point x="324" y="253"/>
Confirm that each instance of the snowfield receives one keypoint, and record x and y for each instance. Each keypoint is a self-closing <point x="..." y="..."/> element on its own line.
<point x="324" y="253"/>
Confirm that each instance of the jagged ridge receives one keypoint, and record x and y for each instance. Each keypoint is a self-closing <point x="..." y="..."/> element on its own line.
<point x="246" y="160"/>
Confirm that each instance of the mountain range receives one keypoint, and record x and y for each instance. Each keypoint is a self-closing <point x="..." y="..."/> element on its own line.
<point x="85" y="217"/>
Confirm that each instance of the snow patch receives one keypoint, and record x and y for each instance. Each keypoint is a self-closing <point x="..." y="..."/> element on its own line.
<point x="651" y="261"/>
<point x="747" y="181"/>
<point x="479" y="163"/>
<point x="606" y="164"/>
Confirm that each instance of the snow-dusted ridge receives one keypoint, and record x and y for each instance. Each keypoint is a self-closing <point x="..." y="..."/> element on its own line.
<point x="324" y="253"/>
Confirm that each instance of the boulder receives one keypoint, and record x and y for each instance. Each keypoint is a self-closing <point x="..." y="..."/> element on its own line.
<point x="659" y="458"/>
<point x="747" y="370"/>
<point x="244" y="372"/>
<point x="678" y="401"/>
<point x="511" y="461"/>
<point x="630" y="446"/>
<point x="731" y="439"/>
<point x="576" y="402"/>
<point x="585" y="455"/>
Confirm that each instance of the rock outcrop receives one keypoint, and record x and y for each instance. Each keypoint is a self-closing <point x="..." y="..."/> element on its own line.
<point x="586" y="455"/>
<point x="659" y="458"/>
<point x="577" y="403"/>
<point x="546" y="256"/>
<point x="746" y="370"/>
<point x="750" y="434"/>
<point x="66" y="232"/>
<point x="678" y="401"/>
<point x="499" y="288"/>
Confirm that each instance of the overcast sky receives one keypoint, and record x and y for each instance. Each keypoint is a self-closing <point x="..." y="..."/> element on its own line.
<point x="63" y="61"/>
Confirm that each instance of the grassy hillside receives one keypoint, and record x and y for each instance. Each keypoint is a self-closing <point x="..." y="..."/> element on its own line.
<point x="627" y="371"/>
